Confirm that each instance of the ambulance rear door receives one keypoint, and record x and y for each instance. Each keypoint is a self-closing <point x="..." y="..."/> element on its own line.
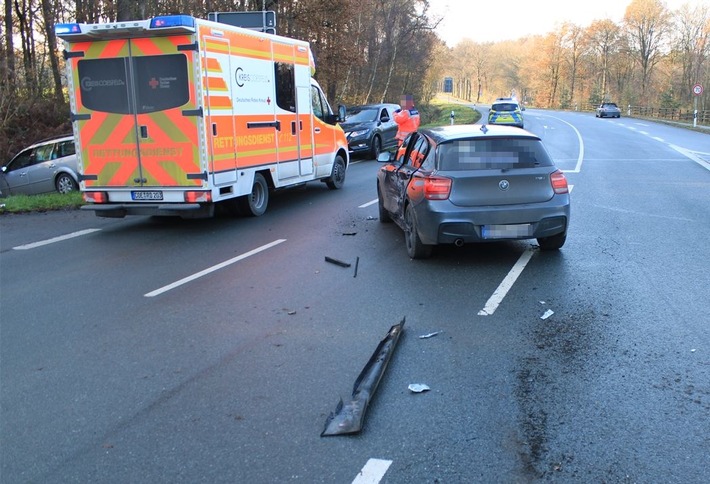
<point x="137" y="114"/>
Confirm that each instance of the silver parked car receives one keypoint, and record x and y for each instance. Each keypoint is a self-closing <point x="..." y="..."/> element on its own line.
<point x="472" y="183"/>
<point x="46" y="166"/>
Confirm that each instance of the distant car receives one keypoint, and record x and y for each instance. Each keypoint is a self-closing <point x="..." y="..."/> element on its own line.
<point x="507" y="112"/>
<point x="471" y="183"/>
<point x="47" y="166"/>
<point x="608" y="110"/>
<point x="370" y="128"/>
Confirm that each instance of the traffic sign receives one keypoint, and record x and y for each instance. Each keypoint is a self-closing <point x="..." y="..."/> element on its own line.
<point x="698" y="89"/>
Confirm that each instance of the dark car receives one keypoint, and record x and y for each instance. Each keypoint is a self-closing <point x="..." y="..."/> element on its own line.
<point x="608" y="110"/>
<point x="472" y="183"/>
<point x="370" y="129"/>
<point x="46" y="166"/>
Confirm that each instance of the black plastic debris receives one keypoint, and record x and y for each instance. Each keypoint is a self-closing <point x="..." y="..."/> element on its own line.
<point x="357" y="263"/>
<point x="337" y="262"/>
<point x="348" y="417"/>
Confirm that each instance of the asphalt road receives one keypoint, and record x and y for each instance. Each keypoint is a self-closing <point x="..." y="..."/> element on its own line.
<point x="166" y="350"/>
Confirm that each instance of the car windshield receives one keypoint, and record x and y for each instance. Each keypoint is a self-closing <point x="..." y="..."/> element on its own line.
<point x="361" y="115"/>
<point x="610" y="105"/>
<point x="505" y="107"/>
<point x="496" y="153"/>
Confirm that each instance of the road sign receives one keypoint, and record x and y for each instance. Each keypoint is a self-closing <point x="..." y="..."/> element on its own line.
<point x="698" y="89"/>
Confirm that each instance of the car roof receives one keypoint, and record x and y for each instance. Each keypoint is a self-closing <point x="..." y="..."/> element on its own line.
<point x="443" y="134"/>
<point x="378" y="105"/>
<point x="53" y="139"/>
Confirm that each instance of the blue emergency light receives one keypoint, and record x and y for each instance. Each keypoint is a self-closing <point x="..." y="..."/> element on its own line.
<point x="67" y="29"/>
<point x="172" y="21"/>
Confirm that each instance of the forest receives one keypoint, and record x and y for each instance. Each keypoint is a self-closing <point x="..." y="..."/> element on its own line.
<point x="376" y="50"/>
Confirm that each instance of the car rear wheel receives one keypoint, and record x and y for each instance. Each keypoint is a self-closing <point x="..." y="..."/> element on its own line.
<point x="553" y="242"/>
<point x="376" y="147"/>
<point x="415" y="248"/>
<point x="65" y="183"/>
<point x="256" y="202"/>
<point x="385" y="217"/>
<point x="337" y="176"/>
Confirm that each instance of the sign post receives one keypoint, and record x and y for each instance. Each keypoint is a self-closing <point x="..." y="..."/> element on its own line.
<point x="697" y="90"/>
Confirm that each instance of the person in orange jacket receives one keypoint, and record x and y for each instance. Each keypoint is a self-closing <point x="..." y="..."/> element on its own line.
<point x="407" y="118"/>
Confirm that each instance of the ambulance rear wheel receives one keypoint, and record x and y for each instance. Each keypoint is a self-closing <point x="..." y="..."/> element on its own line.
<point x="255" y="203"/>
<point x="337" y="176"/>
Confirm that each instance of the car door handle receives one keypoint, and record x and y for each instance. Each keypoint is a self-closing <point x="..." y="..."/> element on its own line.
<point x="317" y="130"/>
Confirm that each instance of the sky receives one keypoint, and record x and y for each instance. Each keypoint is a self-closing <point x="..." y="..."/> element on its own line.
<point x="492" y="21"/>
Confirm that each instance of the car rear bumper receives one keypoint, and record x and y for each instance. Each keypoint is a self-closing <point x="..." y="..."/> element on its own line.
<point x="441" y="222"/>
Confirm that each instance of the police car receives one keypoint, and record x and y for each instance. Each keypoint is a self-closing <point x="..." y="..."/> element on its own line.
<point x="506" y="112"/>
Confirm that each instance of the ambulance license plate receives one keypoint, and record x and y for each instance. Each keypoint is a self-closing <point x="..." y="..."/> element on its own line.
<point x="506" y="231"/>
<point x="154" y="195"/>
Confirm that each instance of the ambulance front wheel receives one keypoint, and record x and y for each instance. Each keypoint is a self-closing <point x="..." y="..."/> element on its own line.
<point x="337" y="176"/>
<point x="255" y="203"/>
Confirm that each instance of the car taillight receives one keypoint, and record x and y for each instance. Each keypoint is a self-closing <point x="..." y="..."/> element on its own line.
<point x="196" y="197"/>
<point x="96" y="197"/>
<point x="559" y="182"/>
<point x="437" y="188"/>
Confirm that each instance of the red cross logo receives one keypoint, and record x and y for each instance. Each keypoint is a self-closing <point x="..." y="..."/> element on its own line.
<point x="268" y="101"/>
<point x="153" y="82"/>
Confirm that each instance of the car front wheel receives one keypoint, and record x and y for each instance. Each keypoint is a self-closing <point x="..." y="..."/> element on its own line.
<point x="376" y="147"/>
<point x="415" y="248"/>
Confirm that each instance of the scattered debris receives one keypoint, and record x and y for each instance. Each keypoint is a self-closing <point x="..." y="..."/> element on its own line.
<point x="429" y="335"/>
<point x="348" y="418"/>
<point x="357" y="263"/>
<point x="370" y="217"/>
<point x="349" y="233"/>
<point x="547" y="314"/>
<point x="337" y="262"/>
<point x="418" y="387"/>
<point x="291" y="312"/>
<point x="693" y="350"/>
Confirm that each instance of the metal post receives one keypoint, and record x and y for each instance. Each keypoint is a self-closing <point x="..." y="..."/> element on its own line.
<point x="695" y="113"/>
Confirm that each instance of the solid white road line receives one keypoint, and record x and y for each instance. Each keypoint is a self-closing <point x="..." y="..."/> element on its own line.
<point x="373" y="472"/>
<point x="213" y="268"/>
<point x="365" y="205"/>
<point x="55" y="239"/>
<point x="692" y="156"/>
<point x="500" y="293"/>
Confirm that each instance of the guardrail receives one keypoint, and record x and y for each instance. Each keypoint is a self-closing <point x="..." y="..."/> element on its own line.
<point x="670" y="114"/>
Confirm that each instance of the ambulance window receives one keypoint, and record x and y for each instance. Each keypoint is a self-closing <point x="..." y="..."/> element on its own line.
<point x="161" y="82"/>
<point x="285" y="86"/>
<point x="321" y="108"/>
<point x="315" y="101"/>
<point x="103" y="86"/>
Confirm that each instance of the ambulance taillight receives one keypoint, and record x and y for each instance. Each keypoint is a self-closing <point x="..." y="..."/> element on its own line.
<point x="198" y="197"/>
<point x="96" y="197"/>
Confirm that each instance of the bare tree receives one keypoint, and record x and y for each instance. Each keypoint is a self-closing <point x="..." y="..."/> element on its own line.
<point x="647" y="23"/>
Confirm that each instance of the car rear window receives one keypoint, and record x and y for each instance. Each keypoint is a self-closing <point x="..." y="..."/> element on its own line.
<point x="505" y="107"/>
<point x="498" y="153"/>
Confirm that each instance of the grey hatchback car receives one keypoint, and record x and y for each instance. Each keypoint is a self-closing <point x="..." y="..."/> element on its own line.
<point x="473" y="183"/>
<point x="46" y="166"/>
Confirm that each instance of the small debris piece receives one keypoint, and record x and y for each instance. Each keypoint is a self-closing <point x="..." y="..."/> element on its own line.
<point x="429" y="335"/>
<point x="357" y="263"/>
<point x="547" y="314"/>
<point x="418" y="387"/>
<point x="370" y="217"/>
<point x="349" y="233"/>
<point x="693" y="350"/>
<point x="292" y="312"/>
<point x="337" y="262"/>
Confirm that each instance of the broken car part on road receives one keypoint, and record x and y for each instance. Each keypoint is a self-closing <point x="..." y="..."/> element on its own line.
<point x="348" y="418"/>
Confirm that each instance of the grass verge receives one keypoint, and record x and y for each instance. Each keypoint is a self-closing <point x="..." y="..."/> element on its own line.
<point x="40" y="203"/>
<point x="439" y="114"/>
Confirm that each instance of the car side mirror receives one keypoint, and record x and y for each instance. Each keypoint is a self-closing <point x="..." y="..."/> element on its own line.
<point x="385" y="119"/>
<point x="341" y="113"/>
<point x="386" y="157"/>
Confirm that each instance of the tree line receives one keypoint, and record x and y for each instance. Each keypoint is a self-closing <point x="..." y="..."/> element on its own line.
<point x="375" y="50"/>
<point x="653" y="57"/>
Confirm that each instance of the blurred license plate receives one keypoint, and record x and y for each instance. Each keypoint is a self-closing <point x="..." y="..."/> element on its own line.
<point x="506" y="231"/>
<point x="155" y="195"/>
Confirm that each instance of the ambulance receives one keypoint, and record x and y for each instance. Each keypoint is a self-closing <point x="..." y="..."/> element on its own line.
<point x="174" y="114"/>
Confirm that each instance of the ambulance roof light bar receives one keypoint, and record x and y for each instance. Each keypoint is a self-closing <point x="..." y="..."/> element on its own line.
<point x="168" y="24"/>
